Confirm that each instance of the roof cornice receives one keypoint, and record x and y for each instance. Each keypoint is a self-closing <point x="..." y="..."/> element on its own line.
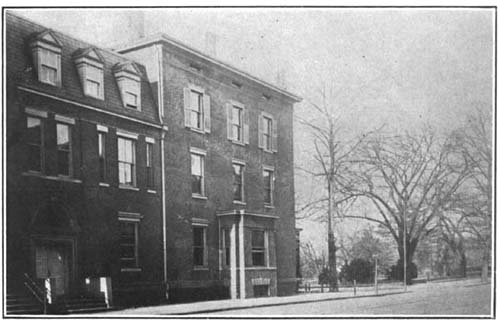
<point x="163" y="38"/>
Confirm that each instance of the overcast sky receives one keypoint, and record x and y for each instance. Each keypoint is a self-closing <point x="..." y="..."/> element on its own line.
<point x="404" y="66"/>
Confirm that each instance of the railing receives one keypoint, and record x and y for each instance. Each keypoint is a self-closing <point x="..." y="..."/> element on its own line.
<point x="42" y="294"/>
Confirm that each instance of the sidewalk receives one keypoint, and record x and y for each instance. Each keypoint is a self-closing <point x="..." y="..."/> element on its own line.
<point x="222" y="305"/>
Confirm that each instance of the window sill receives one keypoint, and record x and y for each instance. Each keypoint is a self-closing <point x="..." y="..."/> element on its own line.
<point x="152" y="191"/>
<point x="125" y="187"/>
<point x="199" y="197"/>
<point x="104" y="184"/>
<point x="197" y="130"/>
<point x="236" y="142"/>
<point x="269" y="206"/>
<point x="204" y="268"/>
<point x="268" y="151"/>
<point x="54" y="178"/>
<point x="131" y="270"/>
<point x="260" y="268"/>
<point x="240" y="202"/>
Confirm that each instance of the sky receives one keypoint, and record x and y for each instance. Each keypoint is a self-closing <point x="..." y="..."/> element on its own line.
<point x="398" y="67"/>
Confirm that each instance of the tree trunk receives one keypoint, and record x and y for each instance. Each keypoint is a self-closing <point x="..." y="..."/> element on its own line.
<point x="411" y="246"/>
<point x="484" y="270"/>
<point x="463" y="264"/>
<point x="332" y="263"/>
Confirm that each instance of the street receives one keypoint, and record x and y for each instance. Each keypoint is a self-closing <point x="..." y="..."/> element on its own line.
<point x="450" y="298"/>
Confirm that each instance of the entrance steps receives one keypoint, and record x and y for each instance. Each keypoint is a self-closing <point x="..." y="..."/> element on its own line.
<point x="85" y="304"/>
<point x="21" y="304"/>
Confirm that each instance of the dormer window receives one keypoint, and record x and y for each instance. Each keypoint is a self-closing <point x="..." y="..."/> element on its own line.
<point x="46" y="50"/>
<point x="90" y="66"/>
<point x="129" y="82"/>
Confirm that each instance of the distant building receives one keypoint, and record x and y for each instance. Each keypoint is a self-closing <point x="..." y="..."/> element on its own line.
<point x="160" y="168"/>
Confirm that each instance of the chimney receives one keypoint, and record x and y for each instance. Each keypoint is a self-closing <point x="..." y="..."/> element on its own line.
<point x="211" y="43"/>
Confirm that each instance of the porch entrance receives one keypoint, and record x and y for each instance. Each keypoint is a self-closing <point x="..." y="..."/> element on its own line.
<point x="52" y="260"/>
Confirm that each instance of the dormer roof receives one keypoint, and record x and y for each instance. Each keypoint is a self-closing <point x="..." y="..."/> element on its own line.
<point x="89" y="52"/>
<point x="127" y="66"/>
<point x="48" y="36"/>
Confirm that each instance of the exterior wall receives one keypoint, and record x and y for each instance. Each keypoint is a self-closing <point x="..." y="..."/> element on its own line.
<point x="87" y="213"/>
<point x="181" y="207"/>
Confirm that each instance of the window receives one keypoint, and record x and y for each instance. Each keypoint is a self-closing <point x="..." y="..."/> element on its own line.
<point x="63" y="149"/>
<point x="94" y="82"/>
<point x="129" y="250"/>
<point x="49" y="63"/>
<point x="238" y="182"/>
<point x="46" y="51"/>
<point x="226" y="241"/>
<point x="199" y="246"/>
<point x="197" y="174"/>
<point x="196" y="109"/>
<point x="268" y="133"/>
<point x="130" y="100"/>
<point x="259" y="248"/>
<point x="126" y="162"/>
<point x="149" y="165"/>
<point x="128" y="78"/>
<point x="35" y="143"/>
<point x="268" y="186"/>
<point x="90" y="66"/>
<point x="101" y="148"/>
<point x="237" y="123"/>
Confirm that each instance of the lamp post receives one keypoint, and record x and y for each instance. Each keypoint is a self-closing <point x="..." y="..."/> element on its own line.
<point x="404" y="249"/>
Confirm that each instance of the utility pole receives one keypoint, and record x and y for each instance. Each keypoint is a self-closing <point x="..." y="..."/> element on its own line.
<point x="404" y="249"/>
<point x="376" y="275"/>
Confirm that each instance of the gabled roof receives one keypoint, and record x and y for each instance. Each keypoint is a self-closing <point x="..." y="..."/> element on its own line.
<point x="130" y="67"/>
<point x="90" y="52"/>
<point x="48" y="36"/>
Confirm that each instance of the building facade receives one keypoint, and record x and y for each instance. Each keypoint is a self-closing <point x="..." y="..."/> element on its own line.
<point x="158" y="167"/>
<point x="83" y="152"/>
<point x="229" y="151"/>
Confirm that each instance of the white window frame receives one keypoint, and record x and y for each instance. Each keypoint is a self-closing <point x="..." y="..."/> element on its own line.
<point x="131" y="218"/>
<point x="41" y="146"/>
<point x="266" y="247"/>
<point x="239" y="126"/>
<point x="129" y="82"/>
<point x="272" y="184"/>
<point x="47" y="44"/>
<point x="204" y="109"/>
<point x="133" y="140"/>
<point x="202" y="154"/>
<point x="203" y="227"/>
<point x="64" y="121"/>
<point x="242" y="164"/>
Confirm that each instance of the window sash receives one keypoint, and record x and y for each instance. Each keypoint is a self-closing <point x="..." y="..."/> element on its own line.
<point x="199" y="246"/>
<point x="93" y="88"/>
<point x="35" y="143"/>
<point x="268" y="126"/>
<point x="63" y="149"/>
<point x="129" y="249"/>
<point x="268" y="186"/>
<point x="149" y="165"/>
<point x="237" y="182"/>
<point x="130" y="99"/>
<point x="126" y="162"/>
<point x="101" y="143"/>
<point x="237" y="123"/>
<point x="197" y="174"/>
<point x="259" y="248"/>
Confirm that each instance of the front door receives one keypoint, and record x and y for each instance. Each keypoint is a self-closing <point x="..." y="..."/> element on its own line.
<point x="52" y="261"/>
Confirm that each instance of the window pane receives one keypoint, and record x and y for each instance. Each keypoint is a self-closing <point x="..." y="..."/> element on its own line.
<point x="196" y="119"/>
<point x="128" y="244"/>
<point x="49" y="58"/>
<point x="63" y="149"/>
<point x="195" y="101"/>
<point x="92" y="88"/>
<point x="258" y="258"/>
<point x="196" y="164"/>
<point x="198" y="236"/>
<point x="236" y="116"/>
<point x="131" y="99"/>
<point x="48" y="74"/>
<point x="34" y="141"/>
<point x="238" y="182"/>
<point x="198" y="246"/>
<point x="196" y="184"/>
<point x="257" y="239"/>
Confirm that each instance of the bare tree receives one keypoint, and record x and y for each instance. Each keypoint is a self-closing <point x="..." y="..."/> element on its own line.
<point x="313" y="261"/>
<point x="474" y="201"/>
<point x="409" y="179"/>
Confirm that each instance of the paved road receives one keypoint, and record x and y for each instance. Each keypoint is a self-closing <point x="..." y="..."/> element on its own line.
<point x="451" y="298"/>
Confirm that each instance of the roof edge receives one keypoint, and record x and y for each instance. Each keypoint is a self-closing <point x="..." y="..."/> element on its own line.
<point x="161" y="37"/>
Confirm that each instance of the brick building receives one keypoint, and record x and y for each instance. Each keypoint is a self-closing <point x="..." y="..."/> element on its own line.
<point x="83" y="152"/>
<point x="229" y="151"/>
<point x="159" y="167"/>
